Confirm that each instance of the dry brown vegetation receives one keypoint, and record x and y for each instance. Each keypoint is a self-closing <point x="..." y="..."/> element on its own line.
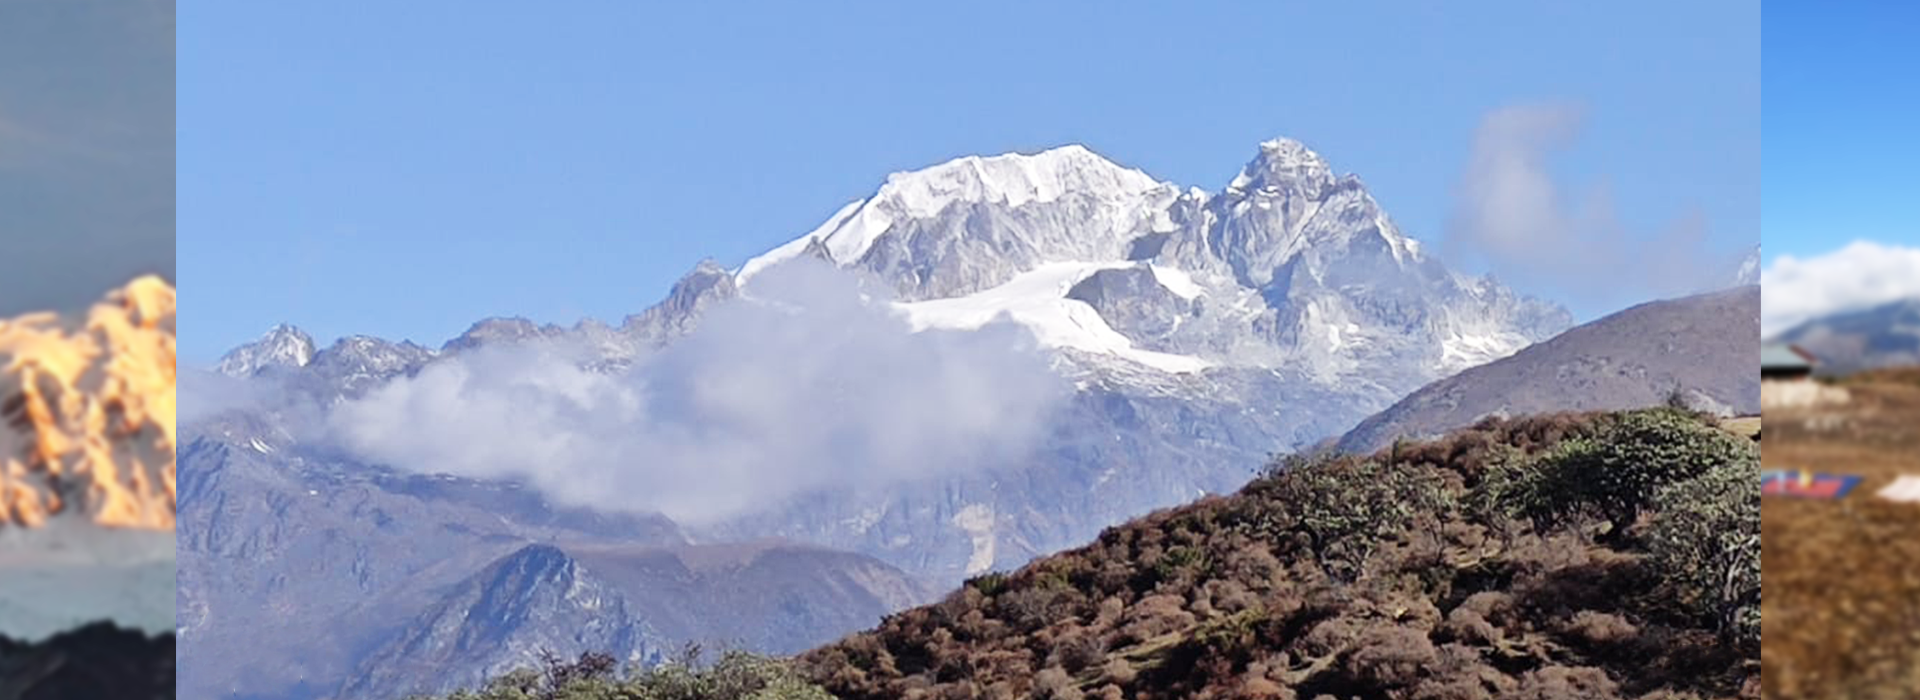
<point x="1597" y="556"/>
<point x="1842" y="605"/>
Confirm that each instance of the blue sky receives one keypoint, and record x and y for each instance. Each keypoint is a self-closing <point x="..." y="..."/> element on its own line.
<point x="1840" y="110"/>
<point x="1843" y="141"/>
<point x="403" y="170"/>
<point x="86" y="149"/>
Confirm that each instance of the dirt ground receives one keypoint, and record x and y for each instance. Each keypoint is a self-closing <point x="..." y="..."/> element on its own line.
<point x="1841" y="610"/>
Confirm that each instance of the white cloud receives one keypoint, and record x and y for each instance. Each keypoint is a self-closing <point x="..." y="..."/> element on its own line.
<point x="766" y="401"/>
<point x="1513" y="217"/>
<point x="1861" y="275"/>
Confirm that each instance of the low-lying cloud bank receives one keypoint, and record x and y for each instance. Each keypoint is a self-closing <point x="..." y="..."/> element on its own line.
<point x="826" y="388"/>
<point x="1861" y="275"/>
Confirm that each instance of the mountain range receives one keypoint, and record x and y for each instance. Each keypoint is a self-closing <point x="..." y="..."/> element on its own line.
<point x="1198" y="333"/>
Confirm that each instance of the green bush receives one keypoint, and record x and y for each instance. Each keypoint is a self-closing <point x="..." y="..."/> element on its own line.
<point x="736" y="676"/>
<point x="1616" y="473"/>
<point x="1706" y="543"/>
<point x="988" y="584"/>
<point x="1345" y="507"/>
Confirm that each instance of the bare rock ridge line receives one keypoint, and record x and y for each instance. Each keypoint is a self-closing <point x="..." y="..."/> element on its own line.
<point x="87" y="412"/>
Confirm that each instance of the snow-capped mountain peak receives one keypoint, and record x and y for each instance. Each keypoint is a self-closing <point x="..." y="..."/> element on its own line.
<point x="1284" y="165"/>
<point x="1749" y="272"/>
<point x="87" y="413"/>
<point x="1298" y="253"/>
<point x="282" y="346"/>
<point x="1011" y="181"/>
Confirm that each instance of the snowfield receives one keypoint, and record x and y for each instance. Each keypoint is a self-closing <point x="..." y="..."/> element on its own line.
<point x="1038" y="300"/>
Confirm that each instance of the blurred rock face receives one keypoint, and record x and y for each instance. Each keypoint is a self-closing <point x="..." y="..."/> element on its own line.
<point x="87" y="412"/>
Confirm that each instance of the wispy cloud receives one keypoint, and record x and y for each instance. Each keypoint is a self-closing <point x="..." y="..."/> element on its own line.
<point x="1513" y="217"/>
<point x="1858" y="276"/>
<point x="821" y="389"/>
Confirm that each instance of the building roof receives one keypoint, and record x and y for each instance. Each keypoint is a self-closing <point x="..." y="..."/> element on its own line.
<point x="1777" y="357"/>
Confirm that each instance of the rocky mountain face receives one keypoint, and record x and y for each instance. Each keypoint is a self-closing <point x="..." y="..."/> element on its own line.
<point x="87" y="413"/>
<point x="302" y="571"/>
<point x="1887" y="335"/>
<point x="1699" y="348"/>
<point x="1202" y="332"/>
<point x="626" y="600"/>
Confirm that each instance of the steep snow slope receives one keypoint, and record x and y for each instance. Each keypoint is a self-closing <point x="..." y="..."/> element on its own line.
<point x="1038" y="300"/>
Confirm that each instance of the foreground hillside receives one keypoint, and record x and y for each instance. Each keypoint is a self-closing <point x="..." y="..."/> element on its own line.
<point x="1589" y="556"/>
<point x="1844" y="576"/>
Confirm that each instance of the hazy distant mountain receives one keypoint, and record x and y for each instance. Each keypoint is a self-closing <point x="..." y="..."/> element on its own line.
<point x="1702" y="346"/>
<point x="1882" y="336"/>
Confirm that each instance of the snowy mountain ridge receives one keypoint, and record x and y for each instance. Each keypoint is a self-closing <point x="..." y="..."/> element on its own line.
<point x="1288" y="250"/>
<point x="87" y="413"/>
<point x="281" y="346"/>
<point x="1010" y="180"/>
